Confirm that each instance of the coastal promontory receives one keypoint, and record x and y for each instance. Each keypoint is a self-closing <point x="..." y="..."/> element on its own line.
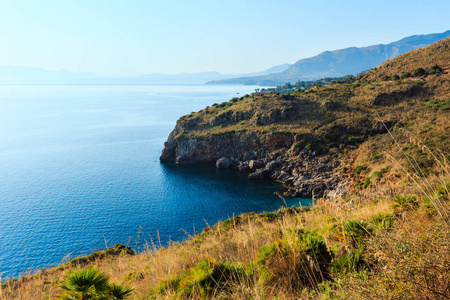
<point x="322" y="140"/>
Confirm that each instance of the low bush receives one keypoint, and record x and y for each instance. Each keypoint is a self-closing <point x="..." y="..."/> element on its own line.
<point x="204" y="279"/>
<point x="350" y="261"/>
<point x="404" y="203"/>
<point x="382" y="221"/>
<point x="297" y="261"/>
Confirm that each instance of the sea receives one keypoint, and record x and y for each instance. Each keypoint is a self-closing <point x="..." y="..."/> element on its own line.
<point x="80" y="171"/>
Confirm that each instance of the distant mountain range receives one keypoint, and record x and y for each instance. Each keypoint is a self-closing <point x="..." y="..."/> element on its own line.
<point x="337" y="63"/>
<point x="33" y="75"/>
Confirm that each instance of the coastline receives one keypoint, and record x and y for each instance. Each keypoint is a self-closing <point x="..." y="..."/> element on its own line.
<point x="260" y="156"/>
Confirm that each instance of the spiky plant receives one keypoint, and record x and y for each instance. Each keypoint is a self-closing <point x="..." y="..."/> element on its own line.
<point x="85" y="284"/>
<point x="119" y="292"/>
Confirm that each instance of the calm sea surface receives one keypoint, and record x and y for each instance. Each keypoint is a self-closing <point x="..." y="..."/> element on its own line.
<point x="79" y="167"/>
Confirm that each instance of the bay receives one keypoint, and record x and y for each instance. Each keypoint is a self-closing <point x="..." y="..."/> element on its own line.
<point x="80" y="170"/>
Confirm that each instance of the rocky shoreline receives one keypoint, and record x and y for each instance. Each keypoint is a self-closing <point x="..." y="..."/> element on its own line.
<point x="314" y="177"/>
<point x="261" y="156"/>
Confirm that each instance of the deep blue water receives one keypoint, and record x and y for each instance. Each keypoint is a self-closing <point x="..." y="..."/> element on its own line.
<point x="79" y="165"/>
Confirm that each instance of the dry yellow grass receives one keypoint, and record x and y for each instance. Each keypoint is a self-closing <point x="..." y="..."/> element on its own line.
<point x="238" y="240"/>
<point x="437" y="53"/>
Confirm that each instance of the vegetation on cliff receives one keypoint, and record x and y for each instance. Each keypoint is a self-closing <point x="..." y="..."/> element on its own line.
<point x="387" y="237"/>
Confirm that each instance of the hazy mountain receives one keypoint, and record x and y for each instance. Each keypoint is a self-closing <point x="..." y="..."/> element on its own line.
<point x="193" y="78"/>
<point x="273" y="70"/>
<point x="187" y="78"/>
<point x="337" y="63"/>
<point x="33" y="75"/>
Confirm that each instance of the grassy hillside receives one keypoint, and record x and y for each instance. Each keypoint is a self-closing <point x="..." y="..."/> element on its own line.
<point x="397" y="244"/>
<point x="345" y="119"/>
<point x="435" y="54"/>
<point x="387" y="238"/>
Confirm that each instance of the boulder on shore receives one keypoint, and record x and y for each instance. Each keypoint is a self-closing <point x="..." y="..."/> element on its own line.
<point x="272" y="165"/>
<point x="223" y="163"/>
<point x="259" y="174"/>
<point x="256" y="164"/>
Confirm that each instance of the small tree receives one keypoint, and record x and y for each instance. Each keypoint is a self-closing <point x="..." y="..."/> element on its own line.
<point x="437" y="69"/>
<point x="418" y="72"/>
<point x="405" y="75"/>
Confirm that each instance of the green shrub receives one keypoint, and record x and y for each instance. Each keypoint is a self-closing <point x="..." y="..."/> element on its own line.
<point x="443" y="192"/>
<point x="351" y="261"/>
<point x="205" y="278"/>
<point x="168" y="285"/>
<point x="405" y="203"/>
<point x="359" y="169"/>
<point x="117" y="249"/>
<point x="356" y="231"/>
<point x="89" y="283"/>
<point x="437" y="69"/>
<point x="317" y="144"/>
<point x="354" y="140"/>
<point x="405" y="75"/>
<point x="297" y="261"/>
<point x="438" y="197"/>
<point x="366" y="182"/>
<point x="395" y="77"/>
<point x="134" y="275"/>
<point x="375" y="157"/>
<point x="382" y="221"/>
<point x="182" y="135"/>
<point x="418" y="72"/>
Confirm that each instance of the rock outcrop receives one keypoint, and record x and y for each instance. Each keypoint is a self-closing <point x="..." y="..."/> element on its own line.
<point x="237" y="146"/>
<point x="261" y="156"/>
<point x="223" y="163"/>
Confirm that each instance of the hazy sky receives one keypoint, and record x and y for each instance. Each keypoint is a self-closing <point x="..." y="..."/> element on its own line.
<point x="230" y="36"/>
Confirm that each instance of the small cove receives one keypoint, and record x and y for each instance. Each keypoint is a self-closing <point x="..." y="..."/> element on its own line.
<point x="79" y="165"/>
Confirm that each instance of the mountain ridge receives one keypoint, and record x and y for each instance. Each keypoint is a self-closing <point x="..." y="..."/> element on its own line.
<point x="340" y="62"/>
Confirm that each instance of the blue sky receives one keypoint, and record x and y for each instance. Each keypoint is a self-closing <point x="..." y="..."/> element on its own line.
<point x="137" y="37"/>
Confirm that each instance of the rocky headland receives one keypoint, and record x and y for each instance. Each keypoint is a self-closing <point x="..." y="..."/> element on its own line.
<point x="259" y="155"/>
<point x="322" y="140"/>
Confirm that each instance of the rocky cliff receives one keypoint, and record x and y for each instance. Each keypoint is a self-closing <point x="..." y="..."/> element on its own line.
<point x="294" y="139"/>
<point x="259" y="155"/>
